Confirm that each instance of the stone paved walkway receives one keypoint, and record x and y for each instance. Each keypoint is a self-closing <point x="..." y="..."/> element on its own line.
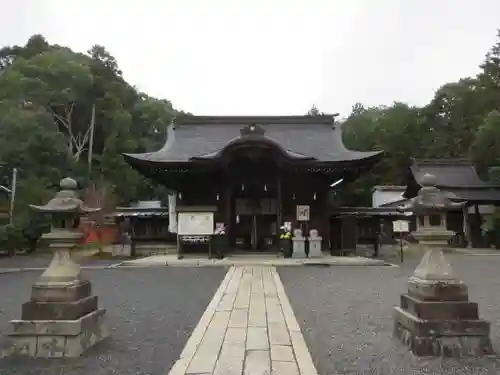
<point x="248" y="328"/>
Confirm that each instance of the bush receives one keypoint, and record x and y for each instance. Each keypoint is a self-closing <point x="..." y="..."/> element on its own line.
<point x="11" y="238"/>
<point x="491" y="228"/>
<point x="23" y="237"/>
<point x="33" y="231"/>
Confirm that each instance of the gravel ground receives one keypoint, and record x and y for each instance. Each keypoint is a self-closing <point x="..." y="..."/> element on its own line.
<point x="43" y="260"/>
<point x="151" y="312"/>
<point x="346" y="316"/>
<point x="25" y="261"/>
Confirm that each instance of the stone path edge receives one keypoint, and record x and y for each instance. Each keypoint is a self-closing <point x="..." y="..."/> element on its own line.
<point x="10" y="270"/>
<point x="302" y="354"/>
<point x="181" y="365"/>
<point x="250" y="264"/>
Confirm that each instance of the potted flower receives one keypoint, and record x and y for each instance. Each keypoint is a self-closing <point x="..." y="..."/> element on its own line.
<point x="286" y="242"/>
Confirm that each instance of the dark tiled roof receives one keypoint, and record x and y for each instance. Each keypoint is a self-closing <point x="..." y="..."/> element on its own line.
<point x="476" y="195"/>
<point x="367" y="211"/>
<point x="458" y="177"/>
<point x="448" y="172"/>
<point x="299" y="136"/>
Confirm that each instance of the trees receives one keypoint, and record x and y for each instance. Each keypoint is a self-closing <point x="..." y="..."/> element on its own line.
<point x="49" y="96"/>
<point x="461" y="120"/>
<point x="397" y="130"/>
<point x="314" y="111"/>
<point x="452" y="118"/>
<point x="57" y="81"/>
<point x="485" y="148"/>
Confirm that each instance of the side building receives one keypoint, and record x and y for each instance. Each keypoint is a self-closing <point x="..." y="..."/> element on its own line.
<point x="459" y="179"/>
<point x="257" y="171"/>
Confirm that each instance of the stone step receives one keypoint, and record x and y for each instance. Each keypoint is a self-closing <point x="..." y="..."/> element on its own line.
<point x="438" y="328"/>
<point x="440" y="310"/>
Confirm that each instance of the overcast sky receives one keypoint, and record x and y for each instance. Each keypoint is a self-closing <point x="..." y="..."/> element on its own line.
<point x="239" y="57"/>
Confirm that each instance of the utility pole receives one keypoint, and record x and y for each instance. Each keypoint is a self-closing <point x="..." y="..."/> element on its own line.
<point x="12" y="195"/>
<point x="91" y="140"/>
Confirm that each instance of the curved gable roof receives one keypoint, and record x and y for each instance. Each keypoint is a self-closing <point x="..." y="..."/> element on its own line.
<point x="312" y="137"/>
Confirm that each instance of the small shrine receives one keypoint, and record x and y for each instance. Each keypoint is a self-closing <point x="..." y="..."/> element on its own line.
<point x="148" y="223"/>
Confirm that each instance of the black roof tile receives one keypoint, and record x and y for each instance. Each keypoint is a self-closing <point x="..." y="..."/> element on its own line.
<point x="448" y="172"/>
<point x="300" y="136"/>
<point x="458" y="177"/>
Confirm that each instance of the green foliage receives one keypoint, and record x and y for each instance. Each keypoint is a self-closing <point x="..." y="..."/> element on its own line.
<point x="485" y="149"/>
<point x="314" y="111"/>
<point x="47" y="96"/>
<point x="48" y="93"/>
<point x="11" y="238"/>
<point x="462" y="120"/>
<point x="494" y="174"/>
<point x="492" y="225"/>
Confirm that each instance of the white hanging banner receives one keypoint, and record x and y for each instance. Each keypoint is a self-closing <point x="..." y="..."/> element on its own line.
<point x="172" y="214"/>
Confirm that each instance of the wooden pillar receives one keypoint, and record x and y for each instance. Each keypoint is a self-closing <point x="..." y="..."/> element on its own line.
<point x="466" y="226"/>
<point x="478" y="219"/>
<point x="279" y="206"/>
<point x="228" y="217"/>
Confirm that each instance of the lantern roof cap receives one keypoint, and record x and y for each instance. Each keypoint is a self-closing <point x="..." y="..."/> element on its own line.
<point x="66" y="200"/>
<point x="432" y="199"/>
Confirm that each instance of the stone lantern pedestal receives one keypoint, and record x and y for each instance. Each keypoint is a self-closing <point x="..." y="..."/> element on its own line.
<point x="62" y="317"/>
<point x="436" y="317"/>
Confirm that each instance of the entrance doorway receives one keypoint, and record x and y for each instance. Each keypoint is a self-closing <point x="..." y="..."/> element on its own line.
<point x="254" y="223"/>
<point x="253" y="210"/>
<point x="255" y="232"/>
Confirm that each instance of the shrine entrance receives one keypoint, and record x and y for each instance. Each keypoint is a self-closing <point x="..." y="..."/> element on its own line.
<point x="254" y="171"/>
<point x="254" y="203"/>
<point x="254" y="224"/>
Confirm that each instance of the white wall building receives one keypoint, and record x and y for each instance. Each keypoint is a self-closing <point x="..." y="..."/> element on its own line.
<point x="385" y="194"/>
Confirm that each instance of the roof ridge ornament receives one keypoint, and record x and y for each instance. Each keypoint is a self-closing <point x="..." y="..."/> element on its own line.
<point x="252" y="130"/>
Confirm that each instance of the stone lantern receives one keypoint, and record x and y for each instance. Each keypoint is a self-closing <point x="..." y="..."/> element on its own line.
<point x="62" y="318"/>
<point x="436" y="317"/>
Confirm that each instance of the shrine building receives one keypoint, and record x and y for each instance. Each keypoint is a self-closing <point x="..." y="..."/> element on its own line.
<point x="258" y="172"/>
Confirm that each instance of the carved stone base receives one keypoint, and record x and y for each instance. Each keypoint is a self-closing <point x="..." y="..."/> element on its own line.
<point x="33" y="310"/>
<point x="63" y="292"/>
<point x="299" y="250"/>
<point x="59" y="301"/>
<point x="315" y="249"/>
<point x="437" y="319"/>
<point x="56" y="338"/>
<point x="445" y="338"/>
<point x="439" y="310"/>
